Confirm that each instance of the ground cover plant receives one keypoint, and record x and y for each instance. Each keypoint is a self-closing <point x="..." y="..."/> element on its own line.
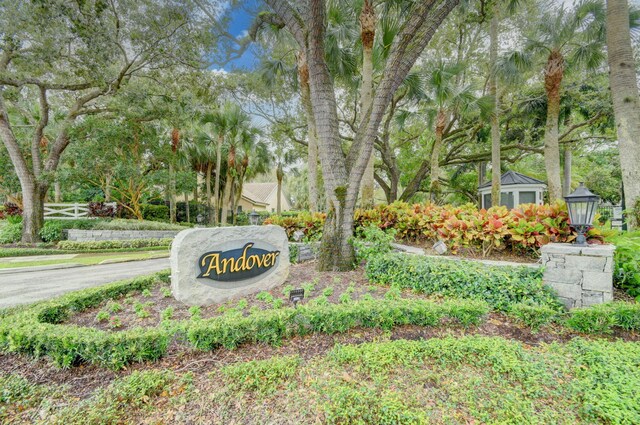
<point x="444" y="379"/>
<point x="137" y="326"/>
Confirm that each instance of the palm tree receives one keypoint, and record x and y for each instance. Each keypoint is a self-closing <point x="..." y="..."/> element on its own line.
<point x="239" y="137"/>
<point x="223" y="123"/>
<point x="447" y="97"/>
<point x="255" y="160"/>
<point x="624" y="91"/>
<point x="561" y="40"/>
<point x="283" y="155"/>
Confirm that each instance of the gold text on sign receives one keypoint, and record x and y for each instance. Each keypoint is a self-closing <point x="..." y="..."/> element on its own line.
<point x="214" y="263"/>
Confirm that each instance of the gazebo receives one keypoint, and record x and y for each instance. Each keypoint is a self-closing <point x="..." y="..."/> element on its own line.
<point x="515" y="189"/>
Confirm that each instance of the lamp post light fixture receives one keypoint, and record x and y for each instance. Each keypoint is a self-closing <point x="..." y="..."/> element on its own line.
<point x="296" y="295"/>
<point x="200" y="219"/>
<point x="254" y="217"/>
<point x="582" y="205"/>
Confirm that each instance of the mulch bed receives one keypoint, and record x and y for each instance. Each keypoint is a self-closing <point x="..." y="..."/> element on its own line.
<point x="335" y="283"/>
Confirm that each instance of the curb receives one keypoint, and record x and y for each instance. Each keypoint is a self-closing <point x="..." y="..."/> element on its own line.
<point x="39" y="268"/>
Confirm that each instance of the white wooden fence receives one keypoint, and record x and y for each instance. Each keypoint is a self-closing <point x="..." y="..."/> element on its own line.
<point x="67" y="211"/>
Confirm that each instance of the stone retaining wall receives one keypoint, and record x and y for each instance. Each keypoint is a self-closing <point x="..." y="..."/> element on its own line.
<point x="117" y="235"/>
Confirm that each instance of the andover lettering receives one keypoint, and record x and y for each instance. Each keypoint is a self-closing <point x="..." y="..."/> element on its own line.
<point x="236" y="264"/>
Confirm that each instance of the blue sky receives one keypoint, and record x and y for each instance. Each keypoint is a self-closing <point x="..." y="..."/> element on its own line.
<point x="241" y="19"/>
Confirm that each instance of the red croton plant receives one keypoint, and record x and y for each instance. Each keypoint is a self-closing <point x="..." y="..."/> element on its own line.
<point x="523" y="229"/>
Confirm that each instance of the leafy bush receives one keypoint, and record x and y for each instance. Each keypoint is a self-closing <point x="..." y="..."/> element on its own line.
<point x="122" y="224"/>
<point x="373" y="242"/>
<point x="604" y="318"/>
<point x="533" y="316"/>
<point x="101" y="209"/>
<point x="309" y="223"/>
<point x="11" y="209"/>
<point x="262" y="376"/>
<point x="626" y="274"/>
<point x="51" y="231"/>
<point x="501" y="287"/>
<point x="10" y="232"/>
<point x="525" y="228"/>
<point x="98" y="245"/>
<point x="155" y="212"/>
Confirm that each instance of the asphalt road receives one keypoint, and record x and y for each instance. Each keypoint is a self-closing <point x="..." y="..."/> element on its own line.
<point x="30" y="286"/>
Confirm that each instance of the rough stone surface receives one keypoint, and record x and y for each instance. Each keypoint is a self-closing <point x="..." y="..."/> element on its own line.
<point x="581" y="276"/>
<point x="190" y="244"/>
<point x="117" y="235"/>
<point x="306" y="251"/>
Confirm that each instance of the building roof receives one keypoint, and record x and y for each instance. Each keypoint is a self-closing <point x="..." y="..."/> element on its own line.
<point x="511" y="178"/>
<point x="258" y="193"/>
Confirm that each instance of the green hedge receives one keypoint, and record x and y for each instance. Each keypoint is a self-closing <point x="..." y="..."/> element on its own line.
<point x="155" y="212"/>
<point x="605" y="318"/>
<point x="98" y="245"/>
<point x="499" y="286"/>
<point x="121" y="224"/>
<point x="272" y="326"/>
<point x="25" y="252"/>
<point x="36" y="330"/>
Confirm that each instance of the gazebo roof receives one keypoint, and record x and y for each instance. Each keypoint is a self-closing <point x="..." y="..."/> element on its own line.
<point x="511" y="178"/>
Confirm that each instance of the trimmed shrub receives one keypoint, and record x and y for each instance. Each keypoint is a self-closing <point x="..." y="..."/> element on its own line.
<point x="501" y="287"/>
<point x="98" y="245"/>
<point x="51" y="231"/>
<point x="604" y="318"/>
<point x="122" y="224"/>
<point x="10" y="232"/>
<point x="533" y="316"/>
<point x="272" y="326"/>
<point x="155" y="212"/>
<point x="626" y="258"/>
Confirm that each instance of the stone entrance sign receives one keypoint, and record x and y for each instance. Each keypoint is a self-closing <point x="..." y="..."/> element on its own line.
<point x="212" y="265"/>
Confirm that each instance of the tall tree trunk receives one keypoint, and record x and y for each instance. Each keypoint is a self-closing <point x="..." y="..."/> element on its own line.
<point x="210" y="212"/>
<point x="441" y="122"/>
<point x="225" y="200"/>
<point x="553" y="74"/>
<point x="566" y="186"/>
<point x="496" y="171"/>
<point x="32" y="211"/>
<point x="57" y="192"/>
<point x="107" y="188"/>
<point x="367" y="34"/>
<point x="312" y="148"/>
<point x="626" y="101"/>
<point x="172" y="194"/>
<point x="216" y="187"/>
<point x="279" y="176"/>
<point x="186" y="204"/>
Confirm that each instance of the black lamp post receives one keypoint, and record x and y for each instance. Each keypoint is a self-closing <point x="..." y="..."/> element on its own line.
<point x="582" y="205"/>
<point x="253" y="218"/>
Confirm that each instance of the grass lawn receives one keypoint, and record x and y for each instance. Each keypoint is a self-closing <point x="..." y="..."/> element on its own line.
<point x="88" y="259"/>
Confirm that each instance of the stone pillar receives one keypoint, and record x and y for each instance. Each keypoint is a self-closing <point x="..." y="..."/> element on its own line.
<point x="582" y="276"/>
